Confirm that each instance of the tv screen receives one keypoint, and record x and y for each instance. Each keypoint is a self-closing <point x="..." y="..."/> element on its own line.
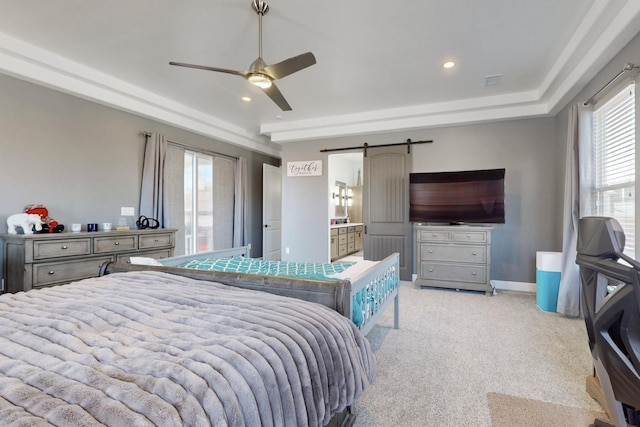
<point x="457" y="197"/>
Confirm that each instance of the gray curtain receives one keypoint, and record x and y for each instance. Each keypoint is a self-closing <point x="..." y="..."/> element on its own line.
<point x="223" y="201"/>
<point x="239" y="211"/>
<point x="153" y="192"/>
<point x="578" y="166"/>
<point x="174" y="166"/>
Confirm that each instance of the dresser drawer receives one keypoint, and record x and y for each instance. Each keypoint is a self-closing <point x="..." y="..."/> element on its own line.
<point x="342" y="239"/>
<point x="453" y="273"/>
<point x="61" y="248"/>
<point x="454" y="253"/>
<point x="159" y="254"/>
<point x="434" y="236"/>
<point x="114" y="244"/>
<point x="155" y="241"/>
<point x="469" y="236"/>
<point x="60" y="272"/>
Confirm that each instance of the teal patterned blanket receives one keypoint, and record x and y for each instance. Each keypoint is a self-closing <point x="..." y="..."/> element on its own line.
<point x="238" y="264"/>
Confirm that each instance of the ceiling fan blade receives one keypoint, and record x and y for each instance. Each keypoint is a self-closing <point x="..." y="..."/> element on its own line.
<point x="274" y="93"/>
<point x="204" y="67"/>
<point x="290" y="66"/>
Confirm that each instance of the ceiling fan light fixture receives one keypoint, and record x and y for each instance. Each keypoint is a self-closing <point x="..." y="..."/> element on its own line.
<point x="260" y="80"/>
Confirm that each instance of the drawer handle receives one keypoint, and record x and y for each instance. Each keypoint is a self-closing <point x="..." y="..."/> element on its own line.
<point x="156" y="240"/>
<point x="468" y="237"/>
<point x="116" y="243"/>
<point x="474" y="273"/>
<point x="430" y="251"/>
<point x="52" y="272"/>
<point x="64" y="247"/>
<point x="474" y="253"/>
<point x="431" y="270"/>
<point x="434" y="235"/>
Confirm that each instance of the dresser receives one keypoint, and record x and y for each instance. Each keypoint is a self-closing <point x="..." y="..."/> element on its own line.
<point x="456" y="257"/>
<point x="38" y="260"/>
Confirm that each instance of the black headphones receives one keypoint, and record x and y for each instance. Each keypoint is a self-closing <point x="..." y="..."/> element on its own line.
<point x="144" y="222"/>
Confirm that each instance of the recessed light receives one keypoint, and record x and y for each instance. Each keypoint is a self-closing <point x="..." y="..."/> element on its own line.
<point x="246" y="99"/>
<point x="449" y="64"/>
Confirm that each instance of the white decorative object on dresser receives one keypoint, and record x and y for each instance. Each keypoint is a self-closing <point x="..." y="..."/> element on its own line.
<point x="456" y="257"/>
<point x="39" y="260"/>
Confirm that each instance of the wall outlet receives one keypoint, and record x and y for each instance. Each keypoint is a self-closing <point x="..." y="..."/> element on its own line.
<point x="286" y="250"/>
<point x="126" y="211"/>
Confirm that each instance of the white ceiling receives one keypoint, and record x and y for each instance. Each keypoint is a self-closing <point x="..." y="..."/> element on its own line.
<point x="379" y="63"/>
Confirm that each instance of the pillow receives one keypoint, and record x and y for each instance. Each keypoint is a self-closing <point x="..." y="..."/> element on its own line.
<point x="355" y="271"/>
<point x="141" y="260"/>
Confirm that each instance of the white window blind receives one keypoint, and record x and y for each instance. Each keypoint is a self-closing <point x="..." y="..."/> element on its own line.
<point x="614" y="158"/>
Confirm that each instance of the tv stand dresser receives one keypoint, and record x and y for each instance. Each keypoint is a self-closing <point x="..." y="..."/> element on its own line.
<point x="454" y="256"/>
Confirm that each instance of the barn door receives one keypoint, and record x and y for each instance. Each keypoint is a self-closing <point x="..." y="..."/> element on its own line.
<point x="386" y="206"/>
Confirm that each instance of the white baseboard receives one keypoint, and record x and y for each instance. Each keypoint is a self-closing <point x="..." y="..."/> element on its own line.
<point x="514" y="286"/>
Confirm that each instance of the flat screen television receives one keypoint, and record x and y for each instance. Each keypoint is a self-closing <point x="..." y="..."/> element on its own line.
<point x="475" y="196"/>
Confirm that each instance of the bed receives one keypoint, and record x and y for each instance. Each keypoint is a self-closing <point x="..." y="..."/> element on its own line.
<point x="144" y="347"/>
<point x="362" y="292"/>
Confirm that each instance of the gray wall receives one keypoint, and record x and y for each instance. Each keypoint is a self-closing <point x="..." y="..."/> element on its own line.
<point x="83" y="161"/>
<point x="526" y="148"/>
<point x="532" y="151"/>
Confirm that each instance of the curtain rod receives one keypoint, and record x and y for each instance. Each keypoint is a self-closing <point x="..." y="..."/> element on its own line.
<point x="365" y="146"/>
<point x="628" y="67"/>
<point x="187" y="147"/>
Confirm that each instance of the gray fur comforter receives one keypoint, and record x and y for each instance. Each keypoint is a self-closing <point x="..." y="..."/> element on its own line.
<point x="148" y="348"/>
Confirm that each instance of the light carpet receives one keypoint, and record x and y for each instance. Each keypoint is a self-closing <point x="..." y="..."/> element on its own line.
<point x="457" y="353"/>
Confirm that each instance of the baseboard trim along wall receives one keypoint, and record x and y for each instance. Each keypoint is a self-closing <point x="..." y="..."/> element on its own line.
<point x="505" y="285"/>
<point x="514" y="286"/>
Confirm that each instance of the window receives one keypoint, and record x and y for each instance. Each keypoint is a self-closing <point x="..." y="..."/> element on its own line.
<point x="614" y="162"/>
<point x="201" y="193"/>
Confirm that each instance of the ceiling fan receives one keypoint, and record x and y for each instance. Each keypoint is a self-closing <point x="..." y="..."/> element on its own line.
<point x="261" y="74"/>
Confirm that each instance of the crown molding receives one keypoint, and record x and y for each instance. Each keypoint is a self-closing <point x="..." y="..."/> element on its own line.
<point x="30" y="63"/>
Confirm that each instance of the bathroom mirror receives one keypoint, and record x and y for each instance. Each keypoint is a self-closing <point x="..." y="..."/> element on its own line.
<point x="340" y="199"/>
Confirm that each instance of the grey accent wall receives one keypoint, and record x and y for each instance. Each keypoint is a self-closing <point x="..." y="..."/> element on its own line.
<point x="83" y="161"/>
<point x="526" y="148"/>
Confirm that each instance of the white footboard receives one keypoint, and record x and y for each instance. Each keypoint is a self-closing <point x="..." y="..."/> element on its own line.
<point x="373" y="291"/>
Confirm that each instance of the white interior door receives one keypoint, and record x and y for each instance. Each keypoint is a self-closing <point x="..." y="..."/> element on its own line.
<point x="271" y="212"/>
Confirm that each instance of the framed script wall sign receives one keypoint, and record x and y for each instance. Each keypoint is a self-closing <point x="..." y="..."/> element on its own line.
<point x="305" y="168"/>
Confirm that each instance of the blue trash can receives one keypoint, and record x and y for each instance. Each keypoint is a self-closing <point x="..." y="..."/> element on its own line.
<point x="548" y="267"/>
